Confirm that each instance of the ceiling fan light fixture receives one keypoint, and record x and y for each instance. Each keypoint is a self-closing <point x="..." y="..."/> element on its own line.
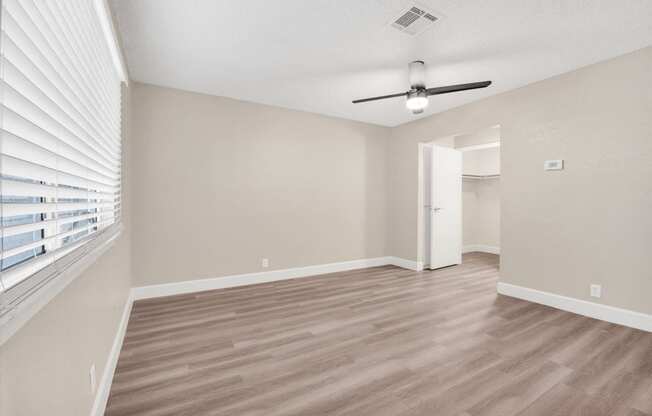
<point x="417" y="101"/>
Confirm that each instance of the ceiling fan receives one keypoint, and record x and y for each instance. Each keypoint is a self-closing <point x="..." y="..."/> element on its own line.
<point x="417" y="97"/>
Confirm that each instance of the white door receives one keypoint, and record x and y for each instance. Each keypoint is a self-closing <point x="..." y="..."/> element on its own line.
<point x="446" y="207"/>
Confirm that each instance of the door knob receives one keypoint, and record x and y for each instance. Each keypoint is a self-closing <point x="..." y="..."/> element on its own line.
<point x="436" y="209"/>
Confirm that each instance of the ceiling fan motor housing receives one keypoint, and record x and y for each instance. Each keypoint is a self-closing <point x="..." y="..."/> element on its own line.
<point x="417" y="76"/>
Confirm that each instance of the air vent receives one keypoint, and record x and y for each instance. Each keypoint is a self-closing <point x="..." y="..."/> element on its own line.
<point x="414" y="20"/>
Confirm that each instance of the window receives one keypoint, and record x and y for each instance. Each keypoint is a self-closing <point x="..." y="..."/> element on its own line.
<point x="21" y="245"/>
<point x="60" y="142"/>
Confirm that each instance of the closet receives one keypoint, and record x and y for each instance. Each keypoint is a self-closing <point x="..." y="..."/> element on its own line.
<point x="481" y="198"/>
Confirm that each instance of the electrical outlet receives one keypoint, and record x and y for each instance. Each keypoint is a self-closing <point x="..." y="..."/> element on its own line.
<point x="91" y="376"/>
<point x="265" y="263"/>
<point x="596" y="291"/>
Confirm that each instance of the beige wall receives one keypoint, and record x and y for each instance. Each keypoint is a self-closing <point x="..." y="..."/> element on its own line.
<point x="221" y="184"/>
<point x="482" y="136"/>
<point x="563" y="230"/>
<point x="44" y="367"/>
<point x="481" y="162"/>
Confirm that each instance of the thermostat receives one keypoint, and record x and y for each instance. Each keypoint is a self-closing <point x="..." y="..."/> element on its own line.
<point x="553" y="164"/>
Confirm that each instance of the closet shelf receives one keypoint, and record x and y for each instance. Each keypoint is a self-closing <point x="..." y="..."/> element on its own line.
<point x="480" y="177"/>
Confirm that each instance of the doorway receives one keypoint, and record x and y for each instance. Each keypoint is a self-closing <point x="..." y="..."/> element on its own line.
<point x="459" y="197"/>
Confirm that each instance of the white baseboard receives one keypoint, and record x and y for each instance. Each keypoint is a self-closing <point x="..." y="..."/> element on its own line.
<point x="190" y="286"/>
<point x="104" y="387"/>
<point x="481" y="248"/>
<point x="581" y="307"/>
<point x="406" y="264"/>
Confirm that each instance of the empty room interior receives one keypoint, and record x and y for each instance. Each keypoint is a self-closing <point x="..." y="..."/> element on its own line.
<point x="326" y="207"/>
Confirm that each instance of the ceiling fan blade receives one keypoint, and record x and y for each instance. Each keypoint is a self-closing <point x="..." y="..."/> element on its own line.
<point x="382" y="97"/>
<point x="458" y="87"/>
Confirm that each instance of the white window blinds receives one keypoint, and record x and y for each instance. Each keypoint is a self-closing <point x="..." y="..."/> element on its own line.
<point x="60" y="143"/>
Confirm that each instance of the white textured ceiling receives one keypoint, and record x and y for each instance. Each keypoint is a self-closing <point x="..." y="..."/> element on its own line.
<point x="318" y="55"/>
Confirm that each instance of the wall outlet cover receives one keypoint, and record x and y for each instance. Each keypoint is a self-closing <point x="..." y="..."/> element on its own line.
<point x="596" y="291"/>
<point x="265" y="263"/>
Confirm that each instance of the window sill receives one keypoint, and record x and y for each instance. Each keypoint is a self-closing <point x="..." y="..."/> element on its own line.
<point x="27" y="309"/>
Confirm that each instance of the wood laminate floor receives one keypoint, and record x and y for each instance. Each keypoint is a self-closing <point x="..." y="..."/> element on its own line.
<point x="380" y="341"/>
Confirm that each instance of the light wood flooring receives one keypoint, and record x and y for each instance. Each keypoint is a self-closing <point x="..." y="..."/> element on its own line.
<point x="380" y="341"/>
